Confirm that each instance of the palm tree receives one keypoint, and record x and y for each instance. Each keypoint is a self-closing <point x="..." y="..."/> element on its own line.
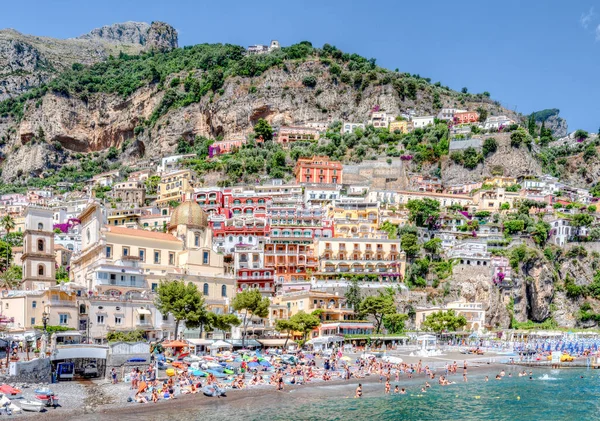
<point x="8" y="223"/>
<point x="11" y="278"/>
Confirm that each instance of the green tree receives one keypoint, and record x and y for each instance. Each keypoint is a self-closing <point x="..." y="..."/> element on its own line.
<point x="223" y="322"/>
<point x="62" y="275"/>
<point x="582" y="220"/>
<point x="11" y="278"/>
<point x="5" y="255"/>
<point x="378" y="307"/>
<point x="444" y="321"/>
<point x="152" y="183"/>
<point x="7" y="223"/>
<point x="394" y="322"/>
<point x="410" y="244"/>
<point x="285" y="326"/>
<point x="183" y="302"/>
<point x="540" y="233"/>
<point x="309" y="81"/>
<point x="514" y="226"/>
<point x="391" y="229"/>
<point x="423" y="212"/>
<point x="353" y="295"/>
<point x="305" y="323"/>
<point x="183" y="146"/>
<point x="433" y="246"/>
<point x="251" y="303"/>
<point x="264" y="129"/>
<point x="489" y="146"/>
<point x="128" y="336"/>
<point x="531" y="126"/>
<point x="519" y="137"/>
<point x="581" y="134"/>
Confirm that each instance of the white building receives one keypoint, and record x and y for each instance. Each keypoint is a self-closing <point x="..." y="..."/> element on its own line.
<point x="170" y="163"/>
<point x="448" y="113"/>
<point x="423" y="121"/>
<point x="349" y="127"/>
<point x="316" y="194"/>
<point x="473" y="312"/>
<point x="497" y="121"/>
<point x="380" y="119"/>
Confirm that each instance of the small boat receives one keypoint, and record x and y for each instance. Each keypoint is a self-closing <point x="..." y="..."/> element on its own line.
<point x="31" y="406"/>
<point x="136" y="360"/>
<point x="48" y="399"/>
<point x="10" y="391"/>
<point x="213" y="391"/>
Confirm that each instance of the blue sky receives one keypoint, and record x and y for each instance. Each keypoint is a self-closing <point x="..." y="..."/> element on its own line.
<point x="529" y="55"/>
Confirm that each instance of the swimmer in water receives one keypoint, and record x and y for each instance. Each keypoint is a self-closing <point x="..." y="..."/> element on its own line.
<point x="359" y="391"/>
<point x="396" y="390"/>
<point x="486" y="378"/>
<point x="403" y="391"/>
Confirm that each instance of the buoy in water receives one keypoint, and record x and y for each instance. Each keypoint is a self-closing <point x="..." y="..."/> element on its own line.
<point x="518" y="398"/>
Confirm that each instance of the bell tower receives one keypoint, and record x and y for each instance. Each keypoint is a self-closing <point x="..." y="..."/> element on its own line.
<point x="38" y="249"/>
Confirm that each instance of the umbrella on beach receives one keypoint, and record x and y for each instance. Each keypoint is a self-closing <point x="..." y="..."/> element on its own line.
<point x="346" y="358"/>
<point x="265" y="363"/>
<point x="309" y="356"/>
<point x="253" y="364"/>
<point x="142" y="387"/>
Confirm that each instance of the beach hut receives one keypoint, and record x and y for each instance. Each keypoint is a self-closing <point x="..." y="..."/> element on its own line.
<point x="426" y="341"/>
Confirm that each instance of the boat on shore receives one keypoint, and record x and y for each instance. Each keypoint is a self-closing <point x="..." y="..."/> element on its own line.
<point x="31" y="406"/>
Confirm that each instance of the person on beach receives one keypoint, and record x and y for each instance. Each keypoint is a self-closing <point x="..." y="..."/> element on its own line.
<point x="359" y="391"/>
<point x="465" y="378"/>
<point x="387" y="387"/>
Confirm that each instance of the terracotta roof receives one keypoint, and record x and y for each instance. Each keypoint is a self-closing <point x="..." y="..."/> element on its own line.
<point x="142" y="233"/>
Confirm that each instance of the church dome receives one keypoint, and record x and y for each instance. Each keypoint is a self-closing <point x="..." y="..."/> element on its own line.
<point x="190" y="214"/>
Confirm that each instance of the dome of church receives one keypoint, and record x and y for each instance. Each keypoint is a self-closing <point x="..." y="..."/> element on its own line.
<point x="190" y="214"/>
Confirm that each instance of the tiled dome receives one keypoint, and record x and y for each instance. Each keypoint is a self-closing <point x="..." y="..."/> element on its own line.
<point x="190" y="214"/>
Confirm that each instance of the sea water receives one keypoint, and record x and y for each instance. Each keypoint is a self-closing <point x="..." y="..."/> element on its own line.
<point x="551" y="395"/>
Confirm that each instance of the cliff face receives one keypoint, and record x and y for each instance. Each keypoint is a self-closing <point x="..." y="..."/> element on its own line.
<point x="27" y="61"/>
<point x="278" y="95"/>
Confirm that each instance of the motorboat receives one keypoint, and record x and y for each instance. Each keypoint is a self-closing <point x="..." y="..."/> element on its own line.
<point x="31" y="406"/>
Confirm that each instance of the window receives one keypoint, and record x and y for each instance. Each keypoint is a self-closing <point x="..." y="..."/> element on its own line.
<point x="205" y="289"/>
<point x="197" y="240"/>
<point x="40" y="244"/>
<point x="171" y="258"/>
<point x="100" y="319"/>
<point x="142" y="254"/>
<point x="40" y="270"/>
<point x="108" y="252"/>
<point x="205" y="258"/>
<point x="223" y="290"/>
<point x="125" y="251"/>
<point x="156" y="257"/>
<point x="118" y="320"/>
<point x="33" y="304"/>
<point x="154" y="287"/>
<point x="40" y="227"/>
<point x="33" y="321"/>
<point x="132" y="280"/>
<point x="63" y="319"/>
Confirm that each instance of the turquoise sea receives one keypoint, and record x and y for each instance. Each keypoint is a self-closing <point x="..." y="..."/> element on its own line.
<point x="551" y="395"/>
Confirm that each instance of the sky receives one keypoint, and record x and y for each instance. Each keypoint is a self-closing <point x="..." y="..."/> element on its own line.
<point x="530" y="55"/>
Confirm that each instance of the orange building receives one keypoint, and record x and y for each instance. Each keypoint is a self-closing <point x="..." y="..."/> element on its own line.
<point x="318" y="169"/>
<point x="466" y="117"/>
<point x="288" y="134"/>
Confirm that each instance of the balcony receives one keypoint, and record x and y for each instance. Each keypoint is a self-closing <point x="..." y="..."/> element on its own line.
<point x="63" y="303"/>
<point x="145" y="324"/>
<point x="255" y="278"/>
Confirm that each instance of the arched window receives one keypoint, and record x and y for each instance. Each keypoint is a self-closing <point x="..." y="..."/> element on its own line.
<point x="223" y="290"/>
<point x="40" y="244"/>
<point x="205" y="289"/>
<point x="40" y="270"/>
<point x="40" y="227"/>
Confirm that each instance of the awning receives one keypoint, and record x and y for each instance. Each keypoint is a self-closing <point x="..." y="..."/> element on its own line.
<point x="175" y="344"/>
<point x="203" y="342"/>
<point x="143" y="311"/>
<point x="275" y="342"/>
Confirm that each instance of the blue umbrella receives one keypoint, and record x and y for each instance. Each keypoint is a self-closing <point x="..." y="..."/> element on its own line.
<point x="253" y="364"/>
<point x="264" y="363"/>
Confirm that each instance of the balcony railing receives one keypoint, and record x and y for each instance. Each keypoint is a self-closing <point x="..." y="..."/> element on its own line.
<point x="63" y="303"/>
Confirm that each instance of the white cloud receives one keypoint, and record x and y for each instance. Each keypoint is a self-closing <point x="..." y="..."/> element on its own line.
<point x="597" y="33"/>
<point x="586" y="18"/>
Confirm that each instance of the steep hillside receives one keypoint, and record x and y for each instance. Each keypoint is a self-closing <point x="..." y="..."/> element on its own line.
<point x="28" y="61"/>
<point x="154" y="99"/>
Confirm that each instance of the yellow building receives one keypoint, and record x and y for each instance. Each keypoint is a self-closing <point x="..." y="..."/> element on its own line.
<point x="492" y="200"/>
<point x="173" y="186"/>
<point x="499" y="181"/>
<point x="25" y="309"/>
<point x="403" y="126"/>
<point x="378" y="259"/>
<point x="353" y="220"/>
<point x="333" y="307"/>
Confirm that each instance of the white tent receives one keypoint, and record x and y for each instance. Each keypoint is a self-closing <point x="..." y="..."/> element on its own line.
<point x="220" y="344"/>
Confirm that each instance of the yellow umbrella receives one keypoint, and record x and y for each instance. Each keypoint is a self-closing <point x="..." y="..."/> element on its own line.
<point x="346" y="358"/>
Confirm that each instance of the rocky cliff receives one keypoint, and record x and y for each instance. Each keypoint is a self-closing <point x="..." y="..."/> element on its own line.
<point x="552" y="121"/>
<point x="27" y="61"/>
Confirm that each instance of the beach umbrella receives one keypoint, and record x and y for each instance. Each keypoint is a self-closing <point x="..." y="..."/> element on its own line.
<point x="142" y="387"/>
<point x="346" y="358"/>
<point x="253" y="364"/>
<point x="265" y="363"/>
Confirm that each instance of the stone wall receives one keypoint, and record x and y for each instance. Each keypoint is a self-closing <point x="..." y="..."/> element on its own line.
<point x="37" y="370"/>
